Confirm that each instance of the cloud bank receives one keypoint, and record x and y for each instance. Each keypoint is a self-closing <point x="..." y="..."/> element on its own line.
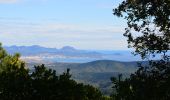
<point x="53" y="34"/>
<point x="9" y="1"/>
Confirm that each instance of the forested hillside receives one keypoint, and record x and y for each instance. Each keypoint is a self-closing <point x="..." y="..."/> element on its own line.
<point x="96" y="73"/>
<point x="18" y="83"/>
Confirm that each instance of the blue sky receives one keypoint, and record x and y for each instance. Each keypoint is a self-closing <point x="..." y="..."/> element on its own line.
<point x="83" y="24"/>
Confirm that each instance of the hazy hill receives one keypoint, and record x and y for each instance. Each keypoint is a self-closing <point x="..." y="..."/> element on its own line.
<point x="90" y="67"/>
<point x="37" y="53"/>
<point x="97" y="73"/>
<point x="37" y="50"/>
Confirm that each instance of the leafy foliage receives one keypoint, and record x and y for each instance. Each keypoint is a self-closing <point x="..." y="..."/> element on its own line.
<point x="149" y="82"/>
<point x="17" y="83"/>
<point x="7" y="61"/>
<point x="148" y="25"/>
<point x="148" y="32"/>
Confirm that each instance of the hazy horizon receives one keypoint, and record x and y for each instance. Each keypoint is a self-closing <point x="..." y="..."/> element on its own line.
<point x="90" y="49"/>
<point x="83" y="24"/>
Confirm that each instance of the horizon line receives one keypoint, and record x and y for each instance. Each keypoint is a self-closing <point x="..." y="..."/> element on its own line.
<point x="128" y="49"/>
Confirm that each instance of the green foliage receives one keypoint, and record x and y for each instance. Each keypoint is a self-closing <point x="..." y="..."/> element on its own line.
<point x="8" y="61"/>
<point x="17" y="83"/>
<point x="148" y="25"/>
<point x="43" y="84"/>
<point x="148" y="32"/>
<point x="147" y="83"/>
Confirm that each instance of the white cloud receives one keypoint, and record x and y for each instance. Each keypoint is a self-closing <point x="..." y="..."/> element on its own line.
<point x="57" y="35"/>
<point x="9" y="1"/>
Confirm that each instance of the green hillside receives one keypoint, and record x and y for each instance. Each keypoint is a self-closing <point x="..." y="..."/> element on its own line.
<point x="97" y="73"/>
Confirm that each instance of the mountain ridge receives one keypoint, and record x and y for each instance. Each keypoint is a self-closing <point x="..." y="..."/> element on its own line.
<point x="68" y="54"/>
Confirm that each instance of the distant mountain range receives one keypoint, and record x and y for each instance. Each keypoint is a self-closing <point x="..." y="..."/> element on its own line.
<point x="87" y="66"/>
<point x="37" y="53"/>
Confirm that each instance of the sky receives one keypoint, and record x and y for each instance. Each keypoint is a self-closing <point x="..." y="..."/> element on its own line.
<point x="83" y="24"/>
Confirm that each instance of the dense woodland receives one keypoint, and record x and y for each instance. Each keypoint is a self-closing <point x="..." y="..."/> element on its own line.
<point x="149" y="18"/>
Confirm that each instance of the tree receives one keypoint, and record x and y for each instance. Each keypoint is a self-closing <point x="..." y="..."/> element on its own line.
<point x="148" y="32"/>
<point x="7" y="61"/>
<point x="18" y="83"/>
<point x="148" y="25"/>
<point x="150" y="82"/>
